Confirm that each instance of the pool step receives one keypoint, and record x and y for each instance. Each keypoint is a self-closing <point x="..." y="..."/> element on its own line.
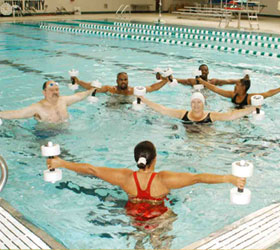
<point x="17" y="233"/>
<point x="258" y="230"/>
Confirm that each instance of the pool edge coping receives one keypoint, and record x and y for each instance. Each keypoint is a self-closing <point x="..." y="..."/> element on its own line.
<point x="49" y="240"/>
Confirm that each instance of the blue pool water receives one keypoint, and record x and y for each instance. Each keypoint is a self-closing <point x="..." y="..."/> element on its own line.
<point x="87" y="213"/>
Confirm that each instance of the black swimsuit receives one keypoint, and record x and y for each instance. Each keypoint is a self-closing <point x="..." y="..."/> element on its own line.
<point x="241" y="104"/>
<point x="186" y="120"/>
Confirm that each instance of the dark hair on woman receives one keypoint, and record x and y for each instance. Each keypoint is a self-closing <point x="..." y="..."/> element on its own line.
<point x="144" y="149"/>
<point x="245" y="81"/>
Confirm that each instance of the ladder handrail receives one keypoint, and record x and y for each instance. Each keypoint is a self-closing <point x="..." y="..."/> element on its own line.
<point x="4" y="173"/>
<point x="124" y="9"/>
<point x="119" y="9"/>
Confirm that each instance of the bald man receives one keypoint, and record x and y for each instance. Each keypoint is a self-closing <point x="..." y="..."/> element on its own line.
<point x="122" y="87"/>
<point x="52" y="109"/>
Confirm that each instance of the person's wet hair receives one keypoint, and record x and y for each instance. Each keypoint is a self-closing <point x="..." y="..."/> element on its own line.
<point x="144" y="149"/>
<point x="245" y="81"/>
<point x="45" y="85"/>
<point x="202" y="65"/>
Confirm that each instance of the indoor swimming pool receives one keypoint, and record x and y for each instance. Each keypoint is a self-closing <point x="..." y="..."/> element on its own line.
<point x="83" y="212"/>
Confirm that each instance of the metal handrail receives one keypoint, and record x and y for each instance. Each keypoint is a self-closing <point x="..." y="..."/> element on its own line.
<point x="4" y="173"/>
<point x="124" y="9"/>
<point x="119" y="9"/>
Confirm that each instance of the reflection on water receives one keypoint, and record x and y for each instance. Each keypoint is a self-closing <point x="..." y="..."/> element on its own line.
<point x="44" y="130"/>
<point x="119" y="101"/>
<point x="155" y="232"/>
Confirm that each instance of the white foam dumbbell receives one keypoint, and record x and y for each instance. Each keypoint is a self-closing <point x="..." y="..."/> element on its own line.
<point x="168" y="73"/>
<point x="158" y="72"/>
<point x="258" y="100"/>
<point x="51" y="150"/>
<point x="138" y="91"/>
<point x="243" y="169"/>
<point x="73" y="85"/>
<point x="196" y="74"/>
<point x="198" y="87"/>
<point x="93" y="98"/>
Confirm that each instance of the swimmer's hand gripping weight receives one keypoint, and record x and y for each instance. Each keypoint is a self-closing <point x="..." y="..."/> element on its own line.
<point x="168" y="73"/>
<point x="258" y="100"/>
<point x="196" y="74"/>
<point x="51" y="175"/>
<point x="73" y="85"/>
<point x="243" y="169"/>
<point x="138" y="91"/>
<point x="93" y="99"/>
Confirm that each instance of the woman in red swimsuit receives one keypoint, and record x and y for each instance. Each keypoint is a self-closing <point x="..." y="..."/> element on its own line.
<point x="146" y="191"/>
<point x="145" y="188"/>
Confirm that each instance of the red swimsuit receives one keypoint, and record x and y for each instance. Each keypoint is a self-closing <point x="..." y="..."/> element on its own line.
<point x="143" y="211"/>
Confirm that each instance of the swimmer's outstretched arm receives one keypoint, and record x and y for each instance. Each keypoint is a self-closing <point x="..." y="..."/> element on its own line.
<point x="222" y="92"/>
<point x="27" y="112"/>
<point x="189" y="81"/>
<point x="221" y="82"/>
<point x="157" y="86"/>
<point x="269" y="93"/>
<point x="174" y="180"/>
<point x="115" y="176"/>
<point x="87" y="85"/>
<point x="177" y="113"/>
<point x="232" y="115"/>
<point x="78" y="96"/>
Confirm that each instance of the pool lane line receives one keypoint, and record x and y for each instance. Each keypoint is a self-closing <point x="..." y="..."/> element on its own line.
<point x="181" y="35"/>
<point x="181" y="30"/>
<point x="160" y="53"/>
<point x="159" y="40"/>
<point x="201" y="31"/>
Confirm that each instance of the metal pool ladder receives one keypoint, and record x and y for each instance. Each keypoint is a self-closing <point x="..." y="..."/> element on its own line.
<point x="4" y="173"/>
<point x="122" y="10"/>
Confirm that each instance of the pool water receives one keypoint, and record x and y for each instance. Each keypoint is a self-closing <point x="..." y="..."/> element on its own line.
<point x="84" y="212"/>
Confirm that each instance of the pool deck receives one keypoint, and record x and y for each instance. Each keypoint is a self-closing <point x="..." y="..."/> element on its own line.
<point x="18" y="233"/>
<point x="259" y="230"/>
<point x="267" y="24"/>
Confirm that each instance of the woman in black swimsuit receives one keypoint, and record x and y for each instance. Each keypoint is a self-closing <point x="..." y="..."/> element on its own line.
<point x="197" y="114"/>
<point x="239" y="96"/>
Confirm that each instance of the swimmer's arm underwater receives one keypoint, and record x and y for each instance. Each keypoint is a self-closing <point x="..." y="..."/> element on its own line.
<point x="174" y="180"/>
<point x="222" y="92"/>
<point x="176" y="113"/>
<point x="112" y="175"/>
<point x="27" y="112"/>
<point x="232" y="115"/>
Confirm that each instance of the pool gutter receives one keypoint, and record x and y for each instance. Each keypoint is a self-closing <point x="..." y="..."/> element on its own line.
<point x="18" y="233"/>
